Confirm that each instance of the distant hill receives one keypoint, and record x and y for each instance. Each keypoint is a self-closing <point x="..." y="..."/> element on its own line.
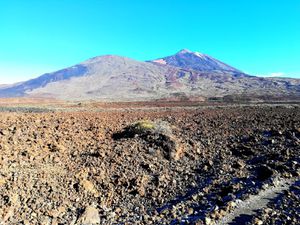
<point x="184" y="75"/>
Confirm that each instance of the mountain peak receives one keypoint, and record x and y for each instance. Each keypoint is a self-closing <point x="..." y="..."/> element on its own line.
<point x="187" y="51"/>
<point x="184" y="51"/>
<point x="188" y="59"/>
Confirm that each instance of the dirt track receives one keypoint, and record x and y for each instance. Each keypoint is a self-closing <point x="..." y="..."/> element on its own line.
<point x="247" y="209"/>
<point x="66" y="167"/>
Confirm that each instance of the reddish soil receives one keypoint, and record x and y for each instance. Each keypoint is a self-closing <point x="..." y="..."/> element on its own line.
<point x="32" y="101"/>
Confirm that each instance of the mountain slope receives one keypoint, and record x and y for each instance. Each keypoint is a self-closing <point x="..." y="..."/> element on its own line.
<point x="20" y="89"/>
<point x="115" y="78"/>
<point x="109" y="77"/>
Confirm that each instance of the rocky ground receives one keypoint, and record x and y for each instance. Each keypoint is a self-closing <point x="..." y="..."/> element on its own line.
<point x="183" y="166"/>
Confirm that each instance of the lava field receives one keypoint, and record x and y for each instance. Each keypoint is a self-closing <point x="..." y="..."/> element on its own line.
<point x="157" y="166"/>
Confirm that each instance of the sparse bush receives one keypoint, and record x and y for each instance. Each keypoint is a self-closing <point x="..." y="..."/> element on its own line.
<point x="143" y="125"/>
<point x="158" y="133"/>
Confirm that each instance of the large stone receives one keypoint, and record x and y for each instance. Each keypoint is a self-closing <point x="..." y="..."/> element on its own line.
<point x="90" y="216"/>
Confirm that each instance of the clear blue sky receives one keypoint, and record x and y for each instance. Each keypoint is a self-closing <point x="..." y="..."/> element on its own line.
<point x="260" y="37"/>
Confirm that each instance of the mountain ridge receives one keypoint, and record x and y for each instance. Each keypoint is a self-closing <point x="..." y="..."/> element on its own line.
<point x="115" y="78"/>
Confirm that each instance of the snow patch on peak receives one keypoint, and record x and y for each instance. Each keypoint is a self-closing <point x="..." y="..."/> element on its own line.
<point x="199" y="54"/>
<point x="187" y="51"/>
